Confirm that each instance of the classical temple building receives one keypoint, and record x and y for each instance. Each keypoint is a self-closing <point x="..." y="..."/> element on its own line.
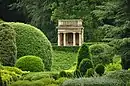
<point x="70" y="32"/>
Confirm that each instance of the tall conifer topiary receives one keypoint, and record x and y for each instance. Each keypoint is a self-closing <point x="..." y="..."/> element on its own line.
<point x="8" y="49"/>
<point x="83" y="53"/>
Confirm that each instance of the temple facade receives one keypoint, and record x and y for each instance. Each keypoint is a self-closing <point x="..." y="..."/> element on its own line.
<point x="70" y="32"/>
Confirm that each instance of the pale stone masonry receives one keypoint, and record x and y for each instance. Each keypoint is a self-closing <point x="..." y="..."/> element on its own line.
<point x="70" y="32"/>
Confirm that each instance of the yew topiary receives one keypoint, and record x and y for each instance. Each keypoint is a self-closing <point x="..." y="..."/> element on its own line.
<point x="30" y="63"/>
<point x="101" y="53"/>
<point x="8" y="49"/>
<point x="83" y="53"/>
<point x="85" y="65"/>
<point x="100" y="69"/>
<point x="31" y="41"/>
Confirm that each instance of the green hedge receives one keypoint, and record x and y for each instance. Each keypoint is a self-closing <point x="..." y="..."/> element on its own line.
<point x="8" y="49"/>
<point x="122" y="75"/>
<point x="85" y="64"/>
<point x="83" y="53"/>
<point x="31" y="41"/>
<point x="30" y="63"/>
<point x="99" y="81"/>
<point x="66" y="48"/>
<point x="102" y="53"/>
<point x="7" y="75"/>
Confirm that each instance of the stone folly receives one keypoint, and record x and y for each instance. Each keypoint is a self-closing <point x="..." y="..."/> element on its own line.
<point x="70" y="32"/>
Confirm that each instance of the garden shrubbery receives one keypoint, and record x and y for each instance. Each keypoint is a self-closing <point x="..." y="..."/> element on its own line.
<point x="31" y="41"/>
<point x="9" y="75"/>
<point x="85" y="64"/>
<point x="8" y="49"/>
<point x="30" y="63"/>
<point x="101" y="53"/>
<point x="123" y="48"/>
<point x="83" y="53"/>
<point x="122" y="75"/>
<point x="98" y="81"/>
<point x="100" y="69"/>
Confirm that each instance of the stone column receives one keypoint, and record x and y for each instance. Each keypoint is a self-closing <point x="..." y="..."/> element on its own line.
<point x="74" y="39"/>
<point x="64" y="39"/>
<point x="59" y="39"/>
<point x="80" y="38"/>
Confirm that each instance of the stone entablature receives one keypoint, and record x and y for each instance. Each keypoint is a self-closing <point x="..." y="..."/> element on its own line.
<point x="70" y="32"/>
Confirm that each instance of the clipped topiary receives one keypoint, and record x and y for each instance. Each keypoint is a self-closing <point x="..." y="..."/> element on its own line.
<point x="1" y="21"/>
<point x="101" y="53"/>
<point x="62" y="74"/>
<point x="30" y="63"/>
<point x="8" y="49"/>
<point x="123" y="49"/>
<point x="31" y="41"/>
<point x="83" y="53"/>
<point x="100" y="69"/>
<point x="85" y="65"/>
<point x="77" y="73"/>
<point x="90" y="72"/>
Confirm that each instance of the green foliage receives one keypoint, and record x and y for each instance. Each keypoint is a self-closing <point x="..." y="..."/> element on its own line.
<point x="8" y="49"/>
<point x="83" y="53"/>
<point x="61" y="80"/>
<point x="100" y="69"/>
<point x="85" y="64"/>
<point x="122" y="75"/>
<point x="62" y="74"/>
<point x="31" y="41"/>
<point x="66" y="48"/>
<point x="63" y="60"/>
<point x="1" y="21"/>
<point x="90" y="72"/>
<point x="113" y="67"/>
<point x="13" y="69"/>
<point x="35" y="76"/>
<point x="97" y="81"/>
<point x="30" y="63"/>
<point x="65" y="74"/>
<point x="101" y="53"/>
<point x="8" y="76"/>
<point x="123" y="49"/>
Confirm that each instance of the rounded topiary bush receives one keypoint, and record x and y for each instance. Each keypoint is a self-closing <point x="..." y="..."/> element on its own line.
<point x="8" y="49"/>
<point x="30" y="63"/>
<point x="85" y="65"/>
<point x="100" y="69"/>
<point x="83" y="53"/>
<point x="90" y="72"/>
<point x="31" y="41"/>
<point x="101" y="53"/>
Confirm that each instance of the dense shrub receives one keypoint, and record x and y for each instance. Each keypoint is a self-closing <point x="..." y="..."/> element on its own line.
<point x="113" y="67"/>
<point x="7" y="77"/>
<point x="122" y="46"/>
<point x="90" y="72"/>
<point x="77" y="73"/>
<point x="31" y="41"/>
<point x="101" y="53"/>
<point x="1" y="21"/>
<point x="13" y="69"/>
<point x="35" y="76"/>
<point x="30" y="63"/>
<point x="65" y="74"/>
<point x="8" y="49"/>
<point x="83" y="53"/>
<point x="41" y="82"/>
<point x="122" y="75"/>
<point x="85" y="64"/>
<point x="99" y="81"/>
<point x="100" y="69"/>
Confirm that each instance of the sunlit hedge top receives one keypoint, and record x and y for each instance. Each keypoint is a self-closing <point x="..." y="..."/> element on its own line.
<point x="31" y="41"/>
